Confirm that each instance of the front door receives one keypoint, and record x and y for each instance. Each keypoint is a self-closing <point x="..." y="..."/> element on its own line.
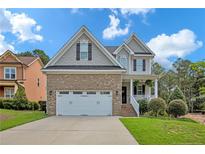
<point x="124" y="95"/>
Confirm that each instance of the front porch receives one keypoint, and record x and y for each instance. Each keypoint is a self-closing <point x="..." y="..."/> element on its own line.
<point x="136" y="87"/>
<point x="8" y="89"/>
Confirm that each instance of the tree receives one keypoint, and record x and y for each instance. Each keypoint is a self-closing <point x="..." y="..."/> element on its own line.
<point x="44" y="57"/>
<point x="20" y="98"/>
<point x="38" y="53"/>
<point x="176" y="94"/>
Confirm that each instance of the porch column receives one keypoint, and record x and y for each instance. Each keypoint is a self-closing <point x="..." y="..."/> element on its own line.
<point x="156" y="88"/>
<point x="15" y="88"/>
<point x="131" y="87"/>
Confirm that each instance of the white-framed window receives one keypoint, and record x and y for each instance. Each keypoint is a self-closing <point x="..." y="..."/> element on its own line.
<point x="8" y="92"/>
<point x="123" y="60"/>
<point x="139" y="64"/>
<point x="10" y="73"/>
<point x="139" y="90"/>
<point x="84" y="50"/>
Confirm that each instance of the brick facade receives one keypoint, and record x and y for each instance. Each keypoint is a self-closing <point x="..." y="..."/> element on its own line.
<point x="111" y="82"/>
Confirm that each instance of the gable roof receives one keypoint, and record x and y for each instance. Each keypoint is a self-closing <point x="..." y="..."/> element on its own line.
<point x="83" y="30"/>
<point x="126" y="47"/>
<point x="26" y="60"/>
<point x="8" y="52"/>
<point x="141" y="44"/>
<point x="111" y="49"/>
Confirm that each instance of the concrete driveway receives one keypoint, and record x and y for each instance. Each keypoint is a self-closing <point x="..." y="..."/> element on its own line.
<point x="69" y="130"/>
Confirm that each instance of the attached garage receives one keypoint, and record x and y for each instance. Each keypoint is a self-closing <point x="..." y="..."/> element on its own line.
<point x="84" y="102"/>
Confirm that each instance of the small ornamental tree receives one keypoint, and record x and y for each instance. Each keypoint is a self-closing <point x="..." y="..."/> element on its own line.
<point x="157" y="106"/>
<point x="177" y="108"/>
<point x="176" y="94"/>
<point x="20" y="98"/>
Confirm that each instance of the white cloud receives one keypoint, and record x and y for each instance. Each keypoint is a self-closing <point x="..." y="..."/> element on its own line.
<point x="113" y="30"/>
<point x="176" y="45"/>
<point x="20" y="25"/>
<point x="4" y="45"/>
<point x="137" y="11"/>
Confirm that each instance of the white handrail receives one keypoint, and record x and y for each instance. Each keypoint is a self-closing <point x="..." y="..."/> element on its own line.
<point x="135" y="105"/>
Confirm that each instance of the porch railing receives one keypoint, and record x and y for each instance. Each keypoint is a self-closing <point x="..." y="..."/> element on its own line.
<point x="135" y="105"/>
<point x="148" y="97"/>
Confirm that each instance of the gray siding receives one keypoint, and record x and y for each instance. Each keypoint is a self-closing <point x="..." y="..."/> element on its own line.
<point x="98" y="57"/>
<point x="122" y="52"/>
<point x="136" y="47"/>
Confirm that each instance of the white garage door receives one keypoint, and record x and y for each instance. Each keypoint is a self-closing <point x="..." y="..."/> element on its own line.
<point x="84" y="103"/>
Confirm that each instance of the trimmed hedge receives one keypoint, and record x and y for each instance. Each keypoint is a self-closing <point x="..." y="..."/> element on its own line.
<point x="177" y="108"/>
<point x="18" y="105"/>
<point x="157" y="106"/>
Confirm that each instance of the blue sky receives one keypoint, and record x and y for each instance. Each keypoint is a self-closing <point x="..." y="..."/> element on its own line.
<point x="171" y="33"/>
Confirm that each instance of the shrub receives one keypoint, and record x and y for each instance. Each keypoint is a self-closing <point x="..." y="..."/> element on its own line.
<point x="42" y="105"/>
<point x="21" y="101"/>
<point x="203" y="106"/>
<point x="177" y="108"/>
<point x="157" y="106"/>
<point x="1" y="103"/>
<point x="143" y="105"/>
<point x="8" y="103"/>
<point x="198" y="102"/>
<point x="176" y="94"/>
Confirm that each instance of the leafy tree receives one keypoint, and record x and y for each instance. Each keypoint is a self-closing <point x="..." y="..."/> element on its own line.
<point x="44" y="57"/>
<point x="176" y="94"/>
<point x="37" y="52"/>
<point x="20" y="98"/>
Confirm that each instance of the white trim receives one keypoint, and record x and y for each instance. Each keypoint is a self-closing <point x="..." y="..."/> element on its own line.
<point x="35" y="61"/>
<point x="73" y="40"/>
<point x="129" y="51"/>
<point x="63" y="71"/>
<point x="5" y="73"/>
<point x="11" y="53"/>
<point x="10" y="88"/>
<point x="141" y="43"/>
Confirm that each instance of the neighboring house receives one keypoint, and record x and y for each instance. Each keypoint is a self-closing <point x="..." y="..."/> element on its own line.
<point x="87" y="78"/>
<point x="24" y="71"/>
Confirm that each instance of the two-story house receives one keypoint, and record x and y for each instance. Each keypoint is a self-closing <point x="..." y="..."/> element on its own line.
<point x="87" y="78"/>
<point x="23" y="71"/>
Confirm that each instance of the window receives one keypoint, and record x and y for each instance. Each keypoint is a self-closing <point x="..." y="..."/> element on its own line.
<point x="139" y="90"/>
<point x="8" y="92"/>
<point x="77" y="92"/>
<point x="104" y="92"/>
<point x="38" y="82"/>
<point x="91" y="92"/>
<point x="10" y="73"/>
<point x="84" y="50"/>
<point x="123" y="61"/>
<point x="139" y="64"/>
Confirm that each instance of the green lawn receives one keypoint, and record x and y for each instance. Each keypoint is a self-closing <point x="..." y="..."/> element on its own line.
<point x="165" y="131"/>
<point x="12" y="118"/>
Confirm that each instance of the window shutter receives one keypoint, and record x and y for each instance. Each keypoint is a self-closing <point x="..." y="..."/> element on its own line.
<point x="143" y="89"/>
<point x="89" y="51"/>
<point x="78" y="51"/>
<point x="134" y="65"/>
<point x="135" y="90"/>
<point x="144" y="64"/>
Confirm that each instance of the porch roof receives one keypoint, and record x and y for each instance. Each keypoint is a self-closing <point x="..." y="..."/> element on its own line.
<point x="140" y="76"/>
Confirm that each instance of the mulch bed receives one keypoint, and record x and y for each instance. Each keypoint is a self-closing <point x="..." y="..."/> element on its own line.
<point x="196" y="116"/>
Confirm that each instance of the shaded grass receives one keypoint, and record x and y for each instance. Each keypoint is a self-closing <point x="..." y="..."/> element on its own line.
<point x="165" y="131"/>
<point x="12" y="118"/>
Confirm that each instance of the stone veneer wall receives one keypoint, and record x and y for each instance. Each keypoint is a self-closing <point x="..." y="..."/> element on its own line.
<point x="84" y="82"/>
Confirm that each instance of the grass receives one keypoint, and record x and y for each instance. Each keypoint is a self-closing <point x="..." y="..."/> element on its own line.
<point x="149" y="131"/>
<point x="12" y="118"/>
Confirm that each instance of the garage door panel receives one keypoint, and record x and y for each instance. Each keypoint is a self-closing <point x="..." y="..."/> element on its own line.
<point x="84" y="103"/>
